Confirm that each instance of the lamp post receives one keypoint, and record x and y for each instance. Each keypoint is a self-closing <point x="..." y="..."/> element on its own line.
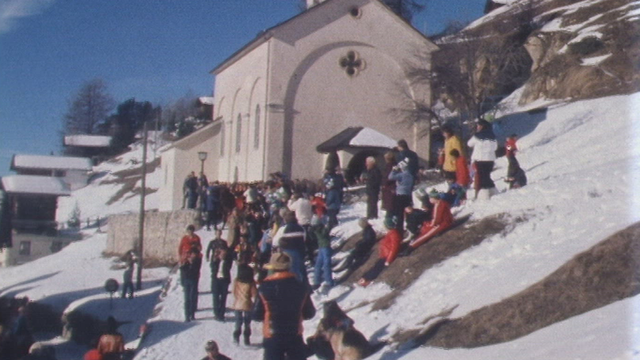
<point x="202" y="155"/>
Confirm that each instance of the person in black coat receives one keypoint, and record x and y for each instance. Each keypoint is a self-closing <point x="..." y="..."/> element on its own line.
<point x="374" y="181"/>
<point x="189" y="276"/>
<point x="282" y="303"/>
<point x="220" y="259"/>
<point x="361" y="251"/>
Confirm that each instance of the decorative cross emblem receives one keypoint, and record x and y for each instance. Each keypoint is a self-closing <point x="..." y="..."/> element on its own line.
<point x="352" y="63"/>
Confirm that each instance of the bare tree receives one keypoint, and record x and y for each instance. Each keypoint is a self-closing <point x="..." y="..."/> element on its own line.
<point x="89" y="108"/>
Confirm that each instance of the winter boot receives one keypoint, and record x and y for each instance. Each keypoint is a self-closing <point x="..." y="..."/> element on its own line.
<point x="236" y="337"/>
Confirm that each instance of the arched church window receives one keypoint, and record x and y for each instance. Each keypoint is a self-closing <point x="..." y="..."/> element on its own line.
<point x="238" y="133"/>
<point x="256" y="132"/>
<point x="352" y="63"/>
<point x="222" y="127"/>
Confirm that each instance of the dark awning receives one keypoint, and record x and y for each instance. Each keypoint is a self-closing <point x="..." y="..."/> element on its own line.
<point x="356" y="137"/>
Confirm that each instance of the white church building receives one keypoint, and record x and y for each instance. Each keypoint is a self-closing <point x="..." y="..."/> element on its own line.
<point x="338" y="65"/>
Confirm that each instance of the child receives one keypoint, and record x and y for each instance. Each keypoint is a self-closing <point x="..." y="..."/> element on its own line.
<point x="415" y="218"/>
<point x="388" y="249"/>
<point x="442" y="220"/>
<point x="515" y="175"/>
<point x="212" y="352"/>
<point x="462" y="177"/>
<point x="323" y="261"/>
<point x="244" y="293"/>
<point x="456" y="194"/>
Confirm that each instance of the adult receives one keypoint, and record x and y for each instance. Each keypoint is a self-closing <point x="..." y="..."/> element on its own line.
<point x="290" y="240"/>
<point x="213" y="352"/>
<point x="212" y="206"/>
<point x="188" y="241"/>
<point x="191" y="190"/>
<point x="388" y="188"/>
<point x="20" y="334"/>
<point x="372" y="189"/>
<point x="451" y="142"/>
<point x="189" y="277"/>
<point x="283" y="302"/>
<point x="220" y="259"/>
<point x="484" y="146"/>
<point x="302" y="207"/>
<point x="409" y="157"/>
<point x="111" y="343"/>
<point x="360" y="253"/>
<point x="404" y="187"/>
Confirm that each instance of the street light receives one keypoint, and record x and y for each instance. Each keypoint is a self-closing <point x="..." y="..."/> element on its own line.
<point x="202" y="155"/>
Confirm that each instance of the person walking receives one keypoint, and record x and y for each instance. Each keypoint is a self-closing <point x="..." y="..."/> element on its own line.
<point x="189" y="277"/>
<point x="244" y="294"/>
<point x="220" y="259"/>
<point x="188" y="241"/>
<point x="283" y="302"/>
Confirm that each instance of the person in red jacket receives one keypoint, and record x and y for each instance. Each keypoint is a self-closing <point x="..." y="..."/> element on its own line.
<point x="462" y="170"/>
<point x="188" y="241"/>
<point x="440" y="222"/>
<point x="388" y="250"/>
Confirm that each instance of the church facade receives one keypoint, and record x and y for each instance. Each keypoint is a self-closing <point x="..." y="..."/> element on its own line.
<point x="338" y="64"/>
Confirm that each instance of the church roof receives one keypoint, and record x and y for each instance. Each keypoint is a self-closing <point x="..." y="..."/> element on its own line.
<point x="356" y="136"/>
<point x="87" y="140"/>
<point x="267" y="34"/>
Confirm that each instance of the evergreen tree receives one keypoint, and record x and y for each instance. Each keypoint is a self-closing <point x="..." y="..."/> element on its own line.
<point x="129" y="118"/>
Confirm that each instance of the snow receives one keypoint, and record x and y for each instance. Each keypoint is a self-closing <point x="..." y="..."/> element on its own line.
<point x="369" y="137"/>
<point x="583" y="164"/>
<point x="31" y="184"/>
<point x="51" y="162"/>
<point x="595" y="61"/>
<point x="87" y="140"/>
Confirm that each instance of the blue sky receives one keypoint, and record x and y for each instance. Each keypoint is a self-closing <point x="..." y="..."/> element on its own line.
<point x="153" y="51"/>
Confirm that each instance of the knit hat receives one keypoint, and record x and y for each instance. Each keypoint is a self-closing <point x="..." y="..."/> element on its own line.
<point x="363" y="222"/>
<point x="434" y="194"/>
<point x="390" y="222"/>
<point x="279" y="262"/>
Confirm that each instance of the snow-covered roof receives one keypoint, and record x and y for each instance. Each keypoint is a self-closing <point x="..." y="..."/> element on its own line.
<point x="50" y="162"/>
<point x="206" y="100"/>
<point x="87" y="140"/>
<point x="30" y="184"/>
<point x="357" y="136"/>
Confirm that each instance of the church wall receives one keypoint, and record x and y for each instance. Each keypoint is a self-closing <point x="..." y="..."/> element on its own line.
<point x="321" y="99"/>
<point x="242" y="86"/>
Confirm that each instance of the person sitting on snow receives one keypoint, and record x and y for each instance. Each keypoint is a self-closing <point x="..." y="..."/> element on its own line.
<point x="415" y="218"/>
<point x="388" y="250"/>
<point x="456" y="194"/>
<point x="441" y="221"/>
<point x="360" y="252"/>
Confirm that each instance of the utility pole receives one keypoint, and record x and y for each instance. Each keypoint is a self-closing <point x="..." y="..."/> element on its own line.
<point x="141" y="215"/>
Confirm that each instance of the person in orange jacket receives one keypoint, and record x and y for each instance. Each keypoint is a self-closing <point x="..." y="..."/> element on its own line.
<point x="462" y="169"/>
<point x="388" y="250"/>
<point x="441" y="220"/>
<point x="188" y="241"/>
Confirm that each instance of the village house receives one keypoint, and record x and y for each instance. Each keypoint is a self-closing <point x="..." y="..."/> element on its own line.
<point x="73" y="171"/>
<point x="33" y="201"/>
<point x="338" y="65"/>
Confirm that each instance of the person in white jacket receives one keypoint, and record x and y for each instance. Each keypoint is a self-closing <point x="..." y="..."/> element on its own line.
<point x="484" y="146"/>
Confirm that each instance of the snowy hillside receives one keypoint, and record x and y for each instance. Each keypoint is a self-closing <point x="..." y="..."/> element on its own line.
<point x="583" y="164"/>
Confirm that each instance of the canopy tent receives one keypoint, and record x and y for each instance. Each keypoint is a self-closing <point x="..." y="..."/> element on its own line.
<point x="357" y="137"/>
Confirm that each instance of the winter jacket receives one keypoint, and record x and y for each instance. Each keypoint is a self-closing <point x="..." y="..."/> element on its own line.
<point x="186" y="243"/>
<point x="388" y="188"/>
<point x="302" y="208"/>
<point x="390" y="245"/>
<point x="462" y="172"/>
<point x="318" y="205"/>
<point x="333" y="184"/>
<point x="404" y="181"/>
<point x="449" y="161"/>
<point x="363" y="246"/>
<point x="290" y="237"/>
<point x="243" y="295"/>
<point x="212" y="199"/>
<point x="411" y="159"/>
<point x="219" y="254"/>
<point x="283" y="302"/>
<point x="374" y="181"/>
<point x="484" y="145"/>
<point x="442" y="215"/>
<point x="111" y="343"/>
<point x="322" y="235"/>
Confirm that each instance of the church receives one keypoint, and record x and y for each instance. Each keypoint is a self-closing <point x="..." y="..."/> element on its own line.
<point x="284" y="101"/>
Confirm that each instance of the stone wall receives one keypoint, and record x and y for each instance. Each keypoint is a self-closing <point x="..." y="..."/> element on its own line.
<point x="162" y="234"/>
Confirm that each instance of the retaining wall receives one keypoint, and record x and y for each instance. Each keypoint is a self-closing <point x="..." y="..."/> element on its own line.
<point x="162" y="233"/>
